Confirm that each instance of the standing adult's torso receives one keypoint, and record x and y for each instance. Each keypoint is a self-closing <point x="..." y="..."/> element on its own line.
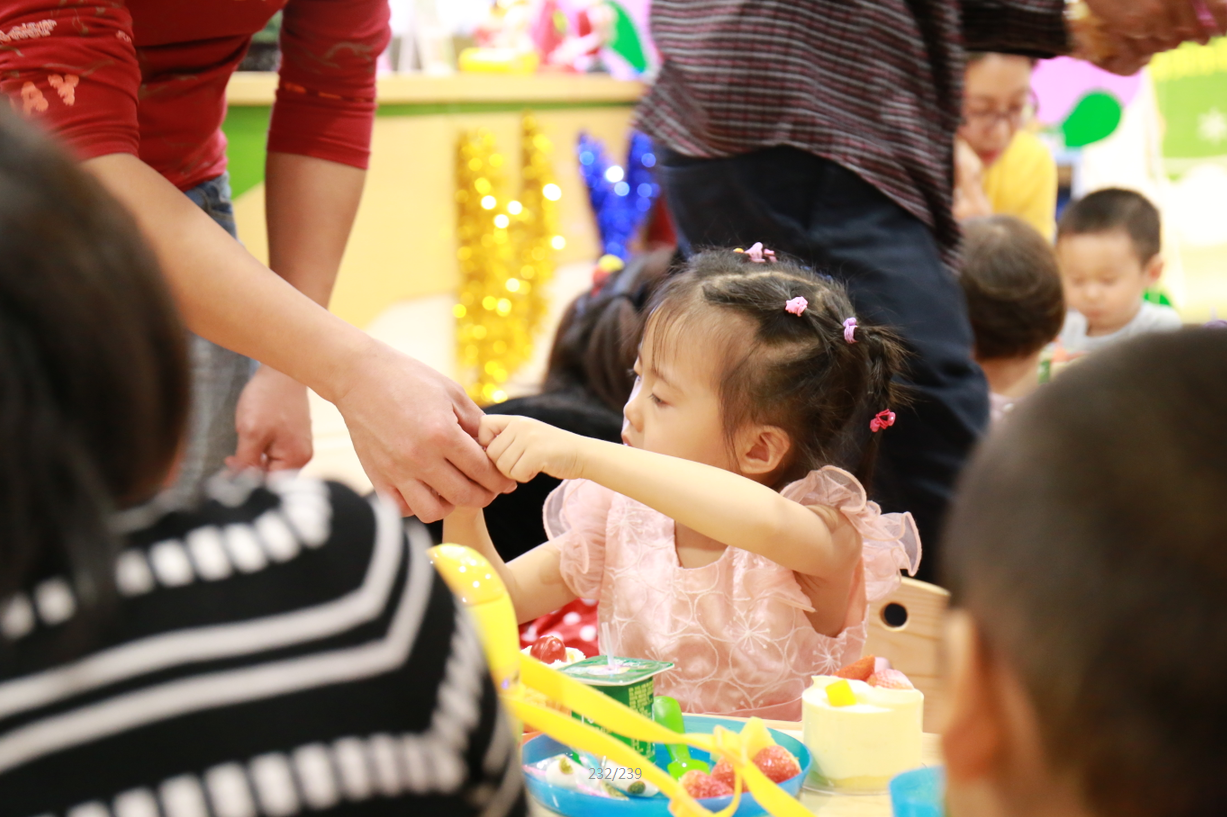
<point x="148" y="77"/>
<point x="187" y="51"/>
<point x="871" y="84"/>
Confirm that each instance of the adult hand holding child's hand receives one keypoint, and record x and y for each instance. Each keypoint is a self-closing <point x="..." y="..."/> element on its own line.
<point x="521" y="448"/>
<point x="413" y="430"/>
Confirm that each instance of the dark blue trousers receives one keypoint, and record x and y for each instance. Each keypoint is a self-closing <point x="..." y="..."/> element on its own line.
<point x="833" y="220"/>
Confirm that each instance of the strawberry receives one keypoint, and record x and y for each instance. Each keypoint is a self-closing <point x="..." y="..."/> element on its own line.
<point x="548" y="649"/>
<point x="890" y="679"/>
<point x="700" y="785"/>
<point x="858" y="670"/>
<point x="724" y="773"/>
<point x="777" y="763"/>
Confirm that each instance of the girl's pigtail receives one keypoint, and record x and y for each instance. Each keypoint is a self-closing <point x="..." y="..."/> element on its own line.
<point x="884" y="396"/>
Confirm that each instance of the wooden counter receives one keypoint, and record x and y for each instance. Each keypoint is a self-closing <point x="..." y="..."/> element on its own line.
<point x="250" y="88"/>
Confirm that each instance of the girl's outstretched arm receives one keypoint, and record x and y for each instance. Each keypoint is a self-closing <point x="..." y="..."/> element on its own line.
<point x="534" y="580"/>
<point x="726" y="507"/>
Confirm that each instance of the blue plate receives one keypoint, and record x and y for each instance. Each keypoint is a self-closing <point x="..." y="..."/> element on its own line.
<point x="577" y="804"/>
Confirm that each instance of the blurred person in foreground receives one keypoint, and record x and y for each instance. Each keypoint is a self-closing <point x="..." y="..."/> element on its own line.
<point x="1087" y="643"/>
<point x="280" y="646"/>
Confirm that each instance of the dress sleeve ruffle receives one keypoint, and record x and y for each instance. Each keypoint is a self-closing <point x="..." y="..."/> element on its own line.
<point x="892" y="542"/>
<point x="575" y="515"/>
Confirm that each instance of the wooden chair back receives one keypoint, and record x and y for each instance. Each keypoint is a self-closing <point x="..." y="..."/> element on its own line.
<point x="906" y="627"/>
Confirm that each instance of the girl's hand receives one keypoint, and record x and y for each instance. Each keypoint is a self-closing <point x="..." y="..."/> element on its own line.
<point x="521" y="448"/>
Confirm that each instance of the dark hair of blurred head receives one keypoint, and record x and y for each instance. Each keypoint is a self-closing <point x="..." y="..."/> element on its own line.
<point x="598" y="336"/>
<point x="93" y="373"/>
<point x="1013" y="287"/>
<point x="1088" y="541"/>
<point x="1113" y="209"/>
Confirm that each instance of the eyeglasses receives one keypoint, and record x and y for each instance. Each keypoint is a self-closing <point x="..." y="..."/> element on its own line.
<point x="1016" y="116"/>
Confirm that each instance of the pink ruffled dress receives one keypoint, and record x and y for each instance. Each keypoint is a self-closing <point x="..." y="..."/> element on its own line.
<point x="736" y="628"/>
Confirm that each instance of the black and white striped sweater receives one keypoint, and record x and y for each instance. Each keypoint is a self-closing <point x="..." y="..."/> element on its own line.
<point x="284" y="649"/>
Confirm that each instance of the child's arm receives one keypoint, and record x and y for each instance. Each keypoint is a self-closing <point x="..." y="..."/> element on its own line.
<point x="724" y="506"/>
<point x="534" y="580"/>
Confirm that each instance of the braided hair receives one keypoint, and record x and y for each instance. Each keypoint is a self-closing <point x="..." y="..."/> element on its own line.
<point x="795" y="371"/>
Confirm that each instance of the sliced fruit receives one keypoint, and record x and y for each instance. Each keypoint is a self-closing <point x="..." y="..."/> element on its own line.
<point x="890" y="679"/>
<point x="700" y="785"/>
<point x="777" y="763"/>
<point x="755" y="736"/>
<point x="858" y="670"/>
<point x="840" y="693"/>
<point x="724" y="773"/>
<point x="548" y="649"/>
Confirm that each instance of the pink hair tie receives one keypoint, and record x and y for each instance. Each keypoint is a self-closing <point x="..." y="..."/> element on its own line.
<point x="881" y="420"/>
<point x="758" y="254"/>
<point x="796" y="306"/>
<point x="849" y="330"/>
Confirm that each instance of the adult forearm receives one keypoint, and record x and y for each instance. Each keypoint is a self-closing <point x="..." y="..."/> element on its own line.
<point x="310" y="205"/>
<point x="224" y="293"/>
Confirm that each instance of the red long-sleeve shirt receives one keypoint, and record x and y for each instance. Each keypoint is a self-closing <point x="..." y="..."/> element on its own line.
<point x="148" y="77"/>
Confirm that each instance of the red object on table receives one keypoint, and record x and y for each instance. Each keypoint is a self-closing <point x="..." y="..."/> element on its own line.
<point x="575" y="623"/>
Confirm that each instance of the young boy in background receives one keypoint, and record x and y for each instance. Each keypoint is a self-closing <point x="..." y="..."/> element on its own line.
<point x="1108" y="251"/>
<point x="1015" y="303"/>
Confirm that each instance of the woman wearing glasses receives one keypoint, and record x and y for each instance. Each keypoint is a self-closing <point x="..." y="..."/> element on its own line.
<point x="1000" y="165"/>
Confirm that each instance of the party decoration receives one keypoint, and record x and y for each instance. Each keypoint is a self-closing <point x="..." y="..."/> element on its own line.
<point x="1080" y="101"/>
<point x="1061" y="83"/>
<point x="626" y="42"/>
<point x="506" y="257"/>
<point x="1191" y="91"/>
<point x="621" y="196"/>
<point x="584" y="36"/>
<point x="1095" y="117"/>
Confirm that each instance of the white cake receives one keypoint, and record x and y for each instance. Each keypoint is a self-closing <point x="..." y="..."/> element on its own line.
<point x="861" y="746"/>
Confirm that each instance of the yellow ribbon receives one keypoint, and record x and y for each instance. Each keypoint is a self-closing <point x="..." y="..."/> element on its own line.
<point x="601" y="709"/>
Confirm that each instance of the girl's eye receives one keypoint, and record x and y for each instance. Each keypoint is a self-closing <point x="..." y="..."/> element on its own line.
<point x="632" y="374"/>
<point x="656" y="399"/>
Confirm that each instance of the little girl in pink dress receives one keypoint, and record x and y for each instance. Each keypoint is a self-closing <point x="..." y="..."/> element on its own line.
<point x="720" y="537"/>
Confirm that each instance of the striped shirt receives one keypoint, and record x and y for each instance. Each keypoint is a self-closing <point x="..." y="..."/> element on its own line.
<point x="283" y="649"/>
<point x="874" y="85"/>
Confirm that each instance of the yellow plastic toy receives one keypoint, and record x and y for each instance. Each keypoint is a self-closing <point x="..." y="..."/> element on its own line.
<point x="477" y="584"/>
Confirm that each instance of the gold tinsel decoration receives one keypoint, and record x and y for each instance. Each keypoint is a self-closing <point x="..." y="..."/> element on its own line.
<point x="506" y="257"/>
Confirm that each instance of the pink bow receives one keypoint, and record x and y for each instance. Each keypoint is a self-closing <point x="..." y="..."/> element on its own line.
<point x="796" y="306"/>
<point x="758" y="254"/>
<point x="882" y="420"/>
<point x="849" y="330"/>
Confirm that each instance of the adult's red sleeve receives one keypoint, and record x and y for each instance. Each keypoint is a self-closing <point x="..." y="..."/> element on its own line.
<point x="326" y="99"/>
<point x="73" y="70"/>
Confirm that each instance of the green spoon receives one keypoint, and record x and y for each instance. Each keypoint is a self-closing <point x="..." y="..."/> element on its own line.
<point x="667" y="713"/>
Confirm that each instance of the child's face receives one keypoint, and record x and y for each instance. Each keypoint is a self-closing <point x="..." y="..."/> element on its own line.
<point x="1104" y="279"/>
<point x="675" y="408"/>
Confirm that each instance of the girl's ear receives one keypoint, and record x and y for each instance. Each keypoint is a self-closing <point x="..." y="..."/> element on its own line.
<point x="762" y="449"/>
